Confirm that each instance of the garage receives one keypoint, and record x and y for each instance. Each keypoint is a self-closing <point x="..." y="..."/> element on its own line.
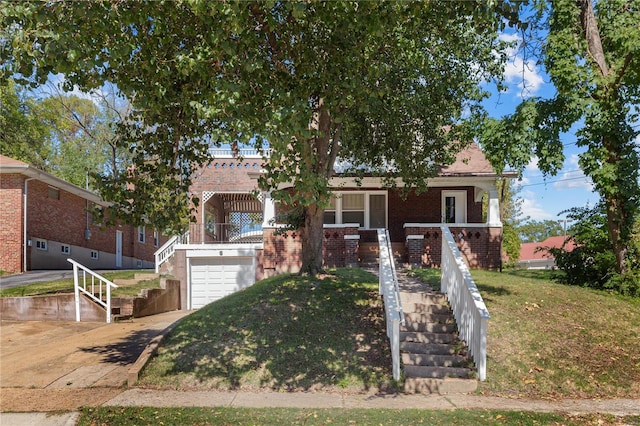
<point x="212" y="278"/>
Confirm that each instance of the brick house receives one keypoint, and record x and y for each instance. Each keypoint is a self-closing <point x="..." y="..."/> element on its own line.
<point x="44" y="220"/>
<point x="235" y="241"/>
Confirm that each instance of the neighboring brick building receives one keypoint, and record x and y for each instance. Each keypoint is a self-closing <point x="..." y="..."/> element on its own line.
<point x="235" y="240"/>
<point x="45" y="220"/>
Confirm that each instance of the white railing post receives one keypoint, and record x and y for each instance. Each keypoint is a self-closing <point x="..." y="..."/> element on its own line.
<point x="76" y="290"/>
<point x="466" y="302"/>
<point x="90" y="294"/>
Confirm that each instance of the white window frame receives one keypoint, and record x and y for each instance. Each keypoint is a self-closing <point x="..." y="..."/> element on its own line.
<point x="367" y="206"/>
<point x="142" y="234"/>
<point x="41" y="244"/>
<point x="461" y="198"/>
<point x="65" y="249"/>
<point x="156" y="238"/>
<point x="94" y="254"/>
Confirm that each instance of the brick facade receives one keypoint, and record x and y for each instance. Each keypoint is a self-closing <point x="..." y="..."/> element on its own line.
<point x="11" y="222"/>
<point x="56" y="222"/>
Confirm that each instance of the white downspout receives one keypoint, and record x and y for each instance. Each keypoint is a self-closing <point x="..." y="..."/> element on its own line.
<point x="24" y="223"/>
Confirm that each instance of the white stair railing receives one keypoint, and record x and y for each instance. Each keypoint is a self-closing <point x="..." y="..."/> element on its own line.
<point x="390" y="291"/>
<point x="97" y="284"/>
<point x="468" y="307"/>
<point x="167" y="250"/>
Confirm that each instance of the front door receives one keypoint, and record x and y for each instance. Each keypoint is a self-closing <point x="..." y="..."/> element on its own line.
<point x="118" y="249"/>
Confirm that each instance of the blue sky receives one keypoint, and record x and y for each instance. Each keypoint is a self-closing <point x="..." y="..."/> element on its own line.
<point x="543" y="197"/>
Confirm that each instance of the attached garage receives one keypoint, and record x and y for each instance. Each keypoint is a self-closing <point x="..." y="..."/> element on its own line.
<point x="214" y="277"/>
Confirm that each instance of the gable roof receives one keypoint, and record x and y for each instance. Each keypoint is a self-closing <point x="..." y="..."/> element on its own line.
<point x="471" y="161"/>
<point x="536" y="251"/>
<point x="11" y="165"/>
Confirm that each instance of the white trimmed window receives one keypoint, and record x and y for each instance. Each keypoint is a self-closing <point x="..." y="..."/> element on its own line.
<point x="65" y="249"/>
<point x="94" y="254"/>
<point x="366" y="208"/>
<point x="156" y="238"/>
<point x="142" y="234"/>
<point x="41" y="244"/>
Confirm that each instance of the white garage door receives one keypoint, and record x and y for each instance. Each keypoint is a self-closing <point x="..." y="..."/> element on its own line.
<point x="215" y="277"/>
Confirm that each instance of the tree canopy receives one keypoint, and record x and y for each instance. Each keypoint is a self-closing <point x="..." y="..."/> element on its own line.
<point x="386" y="84"/>
<point x="591" y="51"/>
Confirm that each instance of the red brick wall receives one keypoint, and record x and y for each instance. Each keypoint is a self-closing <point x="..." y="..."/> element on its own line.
<point x="61" y="220"/>
<point x="479" y="246"/>
<point x="11" y="225"/>
<point x="425" y="208"/>
<point x="226" y="174"/>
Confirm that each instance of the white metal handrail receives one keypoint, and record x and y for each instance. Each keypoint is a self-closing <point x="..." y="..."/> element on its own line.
<point x="168" y="249"/>
<point x="468" y="307"/>
<point x="391" y="295"/>
<point x="103" y="284"/>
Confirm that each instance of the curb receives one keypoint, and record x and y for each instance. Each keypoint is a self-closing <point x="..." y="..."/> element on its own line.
<point x="134" y="371"/>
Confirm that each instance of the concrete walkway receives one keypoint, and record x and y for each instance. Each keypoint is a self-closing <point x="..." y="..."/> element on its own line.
<point x="48" y="370"/>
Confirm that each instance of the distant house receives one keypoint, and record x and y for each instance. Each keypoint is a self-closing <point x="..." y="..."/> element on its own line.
<point x="536" y="255"/>
<point x="235" y="240"/>
<point x="44" y="220"/>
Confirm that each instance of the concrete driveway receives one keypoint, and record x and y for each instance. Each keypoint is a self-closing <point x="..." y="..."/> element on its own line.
<point x="56" y="356"/>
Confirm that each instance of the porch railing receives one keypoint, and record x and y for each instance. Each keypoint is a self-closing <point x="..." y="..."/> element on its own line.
<point x="390" y="291"/>
<point x="98" y="288"/>
<point x="168" y="249"/>
<point x="468" y="307"/>
<point x="247" y="232"/>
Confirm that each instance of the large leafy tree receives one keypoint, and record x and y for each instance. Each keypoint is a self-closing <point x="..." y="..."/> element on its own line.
<point x="23" y="135"/>
<point x="591" y="51"/>
<point x="376" y="82"/>
<point x="534" y="231"/>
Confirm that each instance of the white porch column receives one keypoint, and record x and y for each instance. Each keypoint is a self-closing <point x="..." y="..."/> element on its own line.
<point x="493" y="215"/>
<point x="269" y="210"/>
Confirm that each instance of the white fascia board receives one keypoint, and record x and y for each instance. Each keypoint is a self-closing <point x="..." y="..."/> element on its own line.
<point x="484" y="182"/>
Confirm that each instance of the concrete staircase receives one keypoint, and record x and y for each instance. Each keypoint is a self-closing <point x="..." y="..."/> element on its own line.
<point x="434" y="359"/>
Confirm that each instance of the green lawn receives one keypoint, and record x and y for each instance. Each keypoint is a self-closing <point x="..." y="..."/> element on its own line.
<point x="548" y="340"/>
<point x="124" y="416"/>
<point x="66" y="286"/>
<point x="286" y="333"/>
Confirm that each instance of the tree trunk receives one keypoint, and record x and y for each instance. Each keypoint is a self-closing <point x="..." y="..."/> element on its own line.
<point x="311" y="235"/>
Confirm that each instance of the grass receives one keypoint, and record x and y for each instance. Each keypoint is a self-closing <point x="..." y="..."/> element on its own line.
<point x="286" y="333"/>
<point x="295" y="416"/>
<point x="66" y="286"/>
<point x="548" y="340"/>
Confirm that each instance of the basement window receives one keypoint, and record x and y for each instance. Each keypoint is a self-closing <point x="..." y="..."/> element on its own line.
<point x="41" y="244"/>
<point x="65" y="249"/>
<point x="94" y="254"/>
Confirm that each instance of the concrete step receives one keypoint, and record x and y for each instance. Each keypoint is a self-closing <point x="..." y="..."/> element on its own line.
<point x="442" y="386"/>
<point x="423" y="308"/>
<point x="434" y="348"/>
<point x="427" y="298"/>
<point x="437" y="372"/>
<point x="427" y="337"/>
<point x="427" y="360"/>
<point x="429" y="317"/>
<point x="429" y="327"/>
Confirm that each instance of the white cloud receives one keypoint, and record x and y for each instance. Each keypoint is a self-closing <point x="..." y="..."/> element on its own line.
<point x="532" y="209"/>
<point x="573" y="177"/>
<point x="525" y="74"/>
<point x="532" y="167"/>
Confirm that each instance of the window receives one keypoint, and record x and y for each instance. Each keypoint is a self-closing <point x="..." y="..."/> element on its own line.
<point x="65" y="249"/>
<point x="330" y="212"/>
<point x="156" y="238"/>
<point x="94" y="254"/>
<point x="366" y="208"/>
<point x="41" y="244"/>
<point x="454" y="206"/>
<point x="141" y="234"/>
<point x="53" y="193"/>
